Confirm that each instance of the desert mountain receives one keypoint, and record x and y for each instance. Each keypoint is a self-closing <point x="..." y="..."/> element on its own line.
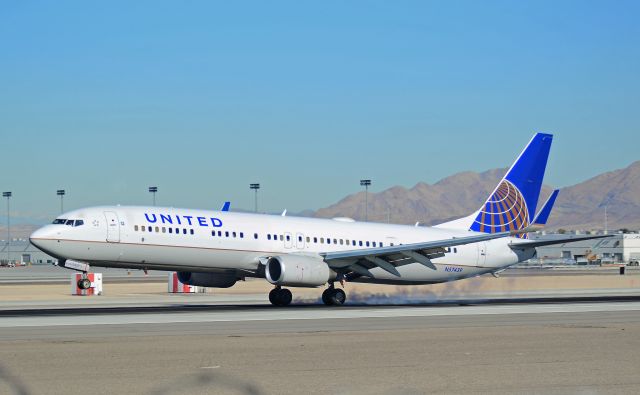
<point x="580" y="206"/>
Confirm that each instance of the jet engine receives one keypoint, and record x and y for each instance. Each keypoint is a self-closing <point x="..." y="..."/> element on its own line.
<point x="214" y="280"/>
<point x="298" y="271"/>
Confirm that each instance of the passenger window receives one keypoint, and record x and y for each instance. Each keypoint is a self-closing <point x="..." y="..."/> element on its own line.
<point x="328" y="240"/>
<point x="241" y="235"/>
<point x="192" y="231"/>
<point x="315" y="239"/>
<point x="380" y="244"/>
<point x="300" y="239"/>
<point x="374" y="243"/>
<point x="234" y="234"/>
<point x="360" y="243"/>
<point x="164" y="230"/>
<point x="184" y="231"/>
<point x="213" y="233"/>
<point x="219" y="233"/>
<point x="322" y="240"/>
<point x="353" y="242"/>
<point x="150" y="229"/>
<point x="367" y="244"/>
<point x="335" y="241"/>
<point x="281" y="238"/>
<point x="391" y="244"/>
<point x="226" y="234"/>
<point x="455" y="250"/>
<point x="157" y="229"/>
<point x="268" y="236"/>
<point x="341" y="241"/>
<point x="255" y="236"/>
<point x="288" y="238"/>
<point x="170" y="230"/>
<point x="308" y="239"/>
<point x="135" y="228"/>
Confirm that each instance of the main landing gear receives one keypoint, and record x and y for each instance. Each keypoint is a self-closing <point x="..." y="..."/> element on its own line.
<point x="280" y="296"/>
<point x="333" y="296"/>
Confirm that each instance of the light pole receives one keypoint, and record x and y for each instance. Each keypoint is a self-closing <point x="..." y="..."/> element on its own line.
<point x="153" y="190"/>
<point x="365" y="184"/>
<point x="255" y="187"/>
<point x="606" y="205"/>
<point x="8" y="196"/>
<point x="61" y="192"/>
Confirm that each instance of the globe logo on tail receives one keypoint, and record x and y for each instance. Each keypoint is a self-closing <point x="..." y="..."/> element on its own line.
<point x="505" y="210"/>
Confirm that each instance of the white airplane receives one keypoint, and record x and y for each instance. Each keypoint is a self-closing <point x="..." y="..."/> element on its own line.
<point x="218" y="248"/>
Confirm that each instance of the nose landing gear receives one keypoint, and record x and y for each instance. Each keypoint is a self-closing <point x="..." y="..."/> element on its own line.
<point x="280" y="296"/>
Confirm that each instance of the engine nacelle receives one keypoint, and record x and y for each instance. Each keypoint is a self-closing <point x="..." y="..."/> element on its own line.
<point x="297" y="271"/>
<point x="213" y="280"/>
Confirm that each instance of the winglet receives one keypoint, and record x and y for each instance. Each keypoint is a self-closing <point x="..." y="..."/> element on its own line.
<point x="543" y="215"/>
<point x="226" y="206"/>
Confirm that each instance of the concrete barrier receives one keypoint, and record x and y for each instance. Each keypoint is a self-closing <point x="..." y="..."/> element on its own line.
<point x="176" y="287"/>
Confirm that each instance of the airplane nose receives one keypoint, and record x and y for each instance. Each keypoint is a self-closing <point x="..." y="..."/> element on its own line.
<point x="43" y="238"/>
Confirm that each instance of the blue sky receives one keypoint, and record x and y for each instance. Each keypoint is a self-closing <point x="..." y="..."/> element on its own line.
<point x="202" y="98"/>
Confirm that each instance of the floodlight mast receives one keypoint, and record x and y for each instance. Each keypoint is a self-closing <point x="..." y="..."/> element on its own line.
<point x="255" y="187"/>
<point x="366" y="184"/>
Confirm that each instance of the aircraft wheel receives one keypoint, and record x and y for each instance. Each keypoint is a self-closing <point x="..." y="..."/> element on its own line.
<point x="285" y="297"/>
<point x="338" y="297"/>
<point x="280" y="297"/>
<point x="84" y="283"/>
<point x="325" y="296"/>
<point x="273" y="296"/>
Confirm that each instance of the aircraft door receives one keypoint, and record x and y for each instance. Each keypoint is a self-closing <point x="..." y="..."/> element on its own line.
<point x="300" y="241"/>
<point x="482" y="253"/>
<point x="288" y="242"/>
<point x="113" y="227"/>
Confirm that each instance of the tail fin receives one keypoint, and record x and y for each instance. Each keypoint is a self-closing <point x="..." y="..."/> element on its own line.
<point x="512" y="204"/>
<point x="543" y="215"/>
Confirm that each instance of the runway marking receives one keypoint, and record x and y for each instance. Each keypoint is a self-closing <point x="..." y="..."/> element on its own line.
<point x="315" y="314"/>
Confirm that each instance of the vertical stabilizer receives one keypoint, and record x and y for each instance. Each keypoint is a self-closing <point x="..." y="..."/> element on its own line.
<point x="512" y="204"/>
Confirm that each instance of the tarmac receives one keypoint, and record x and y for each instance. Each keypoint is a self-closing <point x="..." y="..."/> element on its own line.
<point x="498" y="336"/>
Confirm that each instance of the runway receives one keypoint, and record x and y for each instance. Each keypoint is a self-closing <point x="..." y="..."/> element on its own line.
<point x="587" y="347"/>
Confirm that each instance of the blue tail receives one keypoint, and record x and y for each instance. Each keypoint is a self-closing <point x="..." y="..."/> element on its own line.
<point x="512" y="205"/>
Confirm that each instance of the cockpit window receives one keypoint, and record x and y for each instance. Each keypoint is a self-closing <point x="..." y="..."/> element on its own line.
<point x="68" y="222"/>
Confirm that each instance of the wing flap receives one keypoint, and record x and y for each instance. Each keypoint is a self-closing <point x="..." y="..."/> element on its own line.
<point x="388" y="258"/>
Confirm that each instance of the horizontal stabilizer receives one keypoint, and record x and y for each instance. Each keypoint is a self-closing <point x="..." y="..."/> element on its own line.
<point x="540" y="243"/>
<point x="543" y="215"/>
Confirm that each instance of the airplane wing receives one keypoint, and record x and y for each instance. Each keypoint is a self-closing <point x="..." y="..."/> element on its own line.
<point x="387" y="258"/>
<point x="540" y="243"/>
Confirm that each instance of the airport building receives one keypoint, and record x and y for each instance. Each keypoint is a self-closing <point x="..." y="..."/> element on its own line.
<point x="21" y="251"/>
<point x="620" y="248"/>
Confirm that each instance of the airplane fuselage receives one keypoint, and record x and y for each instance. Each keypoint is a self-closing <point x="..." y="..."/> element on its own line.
<point x="173" y="239"/>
